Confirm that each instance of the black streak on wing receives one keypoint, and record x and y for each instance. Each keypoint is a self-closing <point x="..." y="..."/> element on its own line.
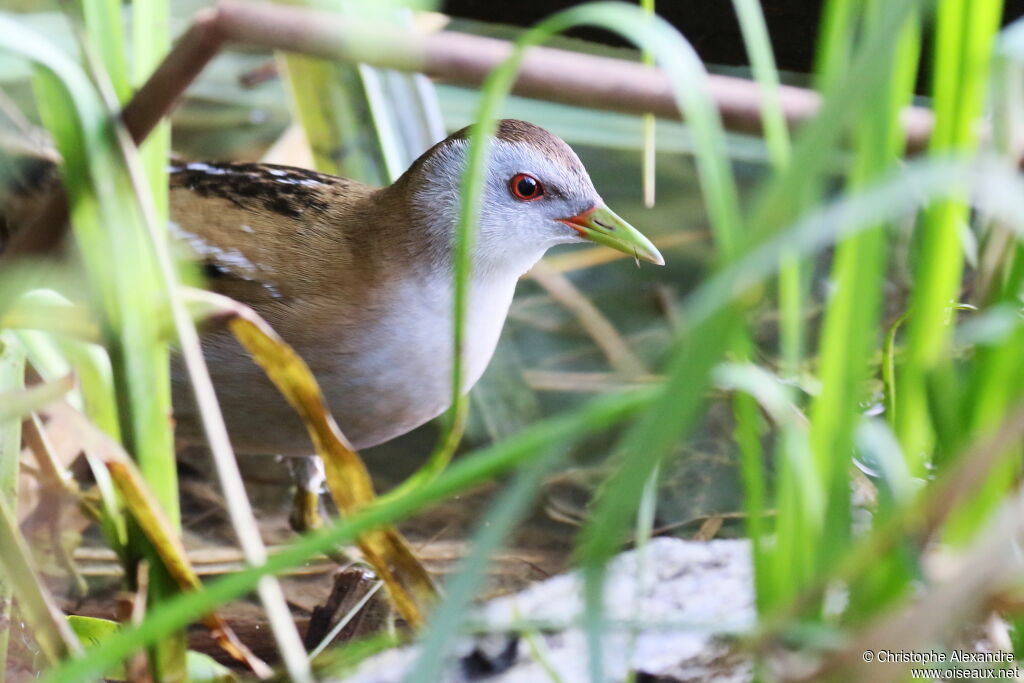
<point x="282" y="190"/>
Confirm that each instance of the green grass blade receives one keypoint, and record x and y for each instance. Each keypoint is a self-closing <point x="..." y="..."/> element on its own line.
<point x="964" y="37"/>
<point x="835" y="40"/>
<point x="849" y="334"/>
<point x="103" y="23"/>
<point x="843" y="102"/>
<point x="151" y="39"/>
<point x="791" y="314"/>
<point x="12" y="379"/>
<point x="648" y="164"/>
<point x="762" y="62"/>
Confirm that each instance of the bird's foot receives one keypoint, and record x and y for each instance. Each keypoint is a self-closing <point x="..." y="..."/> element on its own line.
<point x="308" y="475"/>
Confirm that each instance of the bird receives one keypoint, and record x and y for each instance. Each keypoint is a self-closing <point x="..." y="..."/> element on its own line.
<point x="359" y="279"/>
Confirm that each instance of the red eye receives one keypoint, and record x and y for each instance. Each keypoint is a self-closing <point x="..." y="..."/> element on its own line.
<point x="525" y="187"/>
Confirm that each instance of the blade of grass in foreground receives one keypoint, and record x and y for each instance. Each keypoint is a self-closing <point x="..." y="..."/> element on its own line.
<point x="109" y="230"/>
<point x="120" y="263"/>
<point x="850" y="335"/>
<point x="791" y="313"/>
<point x="648" y="165"/>
<point x="104" y="35"/>
<point x="12" y="379"/>
<point x="996" y="381"/>
<point x="103" y="23"/>
<point x="802" y="501"/>
<point x="1000" y="254"/>
<point x="964" y="36"/>
<point x="819" y="138"/>
<point x="92" y="150"/>
<point x="151" y="41"/>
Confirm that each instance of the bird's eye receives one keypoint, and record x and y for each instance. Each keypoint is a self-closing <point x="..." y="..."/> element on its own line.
<point x="525" y="187"/>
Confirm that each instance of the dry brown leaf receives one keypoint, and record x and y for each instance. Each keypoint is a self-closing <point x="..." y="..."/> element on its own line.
<point x="709" y="529"/>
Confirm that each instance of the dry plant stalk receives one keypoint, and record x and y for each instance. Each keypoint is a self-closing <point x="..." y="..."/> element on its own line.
<point x="17" y="404"/>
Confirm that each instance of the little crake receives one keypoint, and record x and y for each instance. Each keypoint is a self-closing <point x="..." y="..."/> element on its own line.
<point x="359" y="279"/>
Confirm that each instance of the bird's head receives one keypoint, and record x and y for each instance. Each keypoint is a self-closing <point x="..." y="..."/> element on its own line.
<point x="536" y="194"/>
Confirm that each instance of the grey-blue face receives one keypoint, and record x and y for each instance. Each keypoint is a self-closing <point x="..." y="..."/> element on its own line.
<point x="537" y="194"/>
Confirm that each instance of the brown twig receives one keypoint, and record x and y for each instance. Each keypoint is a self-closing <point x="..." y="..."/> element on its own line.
<point x="546" y="73"/>
<point x="585" y="382"/>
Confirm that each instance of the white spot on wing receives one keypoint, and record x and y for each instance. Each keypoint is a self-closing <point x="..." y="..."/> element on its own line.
<point x="231" y="260"/>
<point x="286" y="178"/>
<point x="205" y="168"/>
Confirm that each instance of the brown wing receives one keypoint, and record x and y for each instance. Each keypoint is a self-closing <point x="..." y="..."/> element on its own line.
<point x="265" y="233"/>
<point x="262" y="233"/>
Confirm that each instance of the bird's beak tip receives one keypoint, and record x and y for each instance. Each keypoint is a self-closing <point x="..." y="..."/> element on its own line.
<point x="602" y="225"/>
